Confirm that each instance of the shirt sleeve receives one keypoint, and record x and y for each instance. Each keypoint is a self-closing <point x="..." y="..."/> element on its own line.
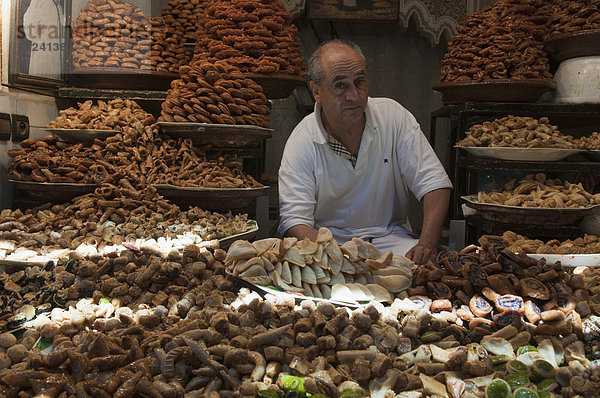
<point x="419" y="164"/>
<point x="297" y="186"/>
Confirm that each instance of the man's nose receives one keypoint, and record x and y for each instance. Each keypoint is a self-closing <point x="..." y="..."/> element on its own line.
<point x="352" y="93"/>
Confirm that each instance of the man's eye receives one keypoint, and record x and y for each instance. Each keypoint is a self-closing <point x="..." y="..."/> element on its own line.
<point x="339" y="86"/>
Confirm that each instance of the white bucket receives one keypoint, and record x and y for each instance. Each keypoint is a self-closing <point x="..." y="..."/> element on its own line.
<point x="578" y="80"/>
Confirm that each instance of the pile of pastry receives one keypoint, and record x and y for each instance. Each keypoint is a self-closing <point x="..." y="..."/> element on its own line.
<point x="255" y="36"/>
<point x="215" y="93"/>
<point x="502" y="41"/>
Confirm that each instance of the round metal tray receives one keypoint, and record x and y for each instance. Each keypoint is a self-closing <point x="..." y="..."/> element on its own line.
<point x="500" y="90"/>
<point x="83" y="136"/>
<point x="125" y="79"/>
<point x="521" y="154"/>
<point x="570" y="260"/>
<point x="594" y="154"/>
<point x="211" y="198"/>
<point x="584" y="43"/>
<point x="57" y="192"/>
<point x="224" y="243"/>
<point x="217" y="135"/>
<point x="528" y="215"/>
<point x="277" y="85"/>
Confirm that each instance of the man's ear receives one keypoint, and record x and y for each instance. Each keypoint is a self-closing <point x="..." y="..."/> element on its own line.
<point x="314" y="87"/>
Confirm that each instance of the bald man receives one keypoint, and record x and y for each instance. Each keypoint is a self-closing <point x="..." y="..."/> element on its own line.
<point x="346" y="166"/>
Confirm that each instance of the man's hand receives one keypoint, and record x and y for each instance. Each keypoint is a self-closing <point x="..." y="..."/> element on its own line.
<point x="302" y="231"/>
<point x="421" y="253"/>
<point x="435" y="205"/>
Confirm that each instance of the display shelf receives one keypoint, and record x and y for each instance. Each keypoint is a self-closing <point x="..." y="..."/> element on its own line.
<point x="480" y="226"/>
<point x="107" y="94"/>
<point x="253" y="159"/>
<point x="473" y="163"/>
<point x="463" y="168"/>
<point x="468" y="113"/>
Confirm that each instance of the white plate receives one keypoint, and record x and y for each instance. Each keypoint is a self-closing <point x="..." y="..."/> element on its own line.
<point x="262" y="290"/>
<point x="246" y="235"/>
<point x="522" y="154"/>
<point x="570" y="260"/>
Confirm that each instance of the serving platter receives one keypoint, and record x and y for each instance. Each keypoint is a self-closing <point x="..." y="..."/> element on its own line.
<point x="594" y="154"/>
<point x="10" y="266"/>
<point x="528" y="215"/>
<point x="83" y="136"/>
<point x="217" y="135"/>
<point x="573" y="45"/>
<point x="224" y="243"/>
<point x="499" y="90"/>
<point x="570" y="260"/>
<point x="263" y="290"/>
<point x="521" y="154"/>
<point x="211" y="198"/>
<point x="54" y="191"/>
<point x="125" y="79"/>
<point x="277" y="85"/>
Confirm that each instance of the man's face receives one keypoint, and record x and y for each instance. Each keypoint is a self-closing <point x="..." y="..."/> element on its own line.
<point x="343" y="92"/>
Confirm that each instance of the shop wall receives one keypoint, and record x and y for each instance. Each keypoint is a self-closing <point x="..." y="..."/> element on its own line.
<point x="39" y="108"/>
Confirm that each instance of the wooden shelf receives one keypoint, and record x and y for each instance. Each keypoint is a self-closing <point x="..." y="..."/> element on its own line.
<point x="576" y="119"/>
<point x="473" y="163"/>
<point x="107" y="94"/>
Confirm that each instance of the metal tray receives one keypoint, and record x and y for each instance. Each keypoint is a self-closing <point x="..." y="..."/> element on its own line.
<point x="83" y="136"/>
<point x="298" y="297"/>
<point x="575" y="44"/>
<point x="57" y="192"/>
<point x="521" y="154"/>
<point x="217" y="135"/>
<point x="570" y="260"/>
<point x="10" y="266"/>
<point x="224" y="243"/>
<point x="528" y="215"/>
<point x="211" y="198"/>
<point x="499" y="90"/>
<point x="125" y="79"/>
<point x="277" y="85"/>
<point x="594" y="154"/>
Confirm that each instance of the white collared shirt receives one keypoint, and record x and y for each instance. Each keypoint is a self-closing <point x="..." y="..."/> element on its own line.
<point x="318" y="188"/>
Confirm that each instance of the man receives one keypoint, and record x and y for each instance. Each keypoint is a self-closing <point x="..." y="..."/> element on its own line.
<point x="344" y="166"/>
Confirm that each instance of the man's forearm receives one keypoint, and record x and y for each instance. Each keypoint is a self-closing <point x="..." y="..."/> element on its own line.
<point x="301" y="232"/>
<point x="435" y="207"/>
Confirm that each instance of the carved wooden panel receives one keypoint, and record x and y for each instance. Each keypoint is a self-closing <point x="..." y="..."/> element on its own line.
<point x="435" y="17"/>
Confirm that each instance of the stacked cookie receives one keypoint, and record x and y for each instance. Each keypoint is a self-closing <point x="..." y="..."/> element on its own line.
<point x="574" y="16"/>
<point x="256" y="36"/>
<point x="182" y="16"/>
<point x="503" y="41"/>
<point x="168" y="50"/>
<point x="215" y="93"/>
<point x="112" y="34"/>
<point x="116" y="34"/>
